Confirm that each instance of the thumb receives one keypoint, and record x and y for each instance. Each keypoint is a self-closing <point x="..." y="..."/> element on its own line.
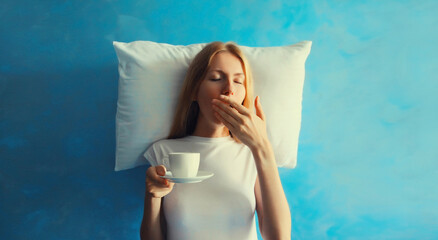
<point x="258" y="107"/>
<point x="161" y="170"/>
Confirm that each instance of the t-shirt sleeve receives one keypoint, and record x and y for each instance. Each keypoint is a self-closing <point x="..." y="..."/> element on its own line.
<point x="151" y="155"/>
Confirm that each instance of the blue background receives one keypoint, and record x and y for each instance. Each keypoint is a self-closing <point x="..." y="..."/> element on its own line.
<point x="367" y="161"/>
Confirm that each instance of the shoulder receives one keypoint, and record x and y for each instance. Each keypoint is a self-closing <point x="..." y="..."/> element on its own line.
<point x="163" y="145"/>
<point x="159" y="144"/>
<point x="166" y="142"/>
<point x="159" y="150"/>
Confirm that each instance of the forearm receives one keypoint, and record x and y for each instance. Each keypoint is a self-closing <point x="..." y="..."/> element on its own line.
<point x="150" y="225"/>
<point x="276" y="213"/>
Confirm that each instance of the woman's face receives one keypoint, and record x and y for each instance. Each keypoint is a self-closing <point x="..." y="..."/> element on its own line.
<point x="225" y="76"/>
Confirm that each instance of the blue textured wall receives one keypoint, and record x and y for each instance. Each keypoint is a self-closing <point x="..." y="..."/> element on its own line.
<point x="368" y="154"/>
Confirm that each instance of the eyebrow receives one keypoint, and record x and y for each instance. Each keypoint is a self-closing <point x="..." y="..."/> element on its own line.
<point x="218" y="70"/>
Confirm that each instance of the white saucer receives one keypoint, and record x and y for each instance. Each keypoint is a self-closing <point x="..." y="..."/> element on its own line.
<point x="202" y="175"/>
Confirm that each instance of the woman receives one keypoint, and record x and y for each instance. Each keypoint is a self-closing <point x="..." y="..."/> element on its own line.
<point x="214" y="117"/>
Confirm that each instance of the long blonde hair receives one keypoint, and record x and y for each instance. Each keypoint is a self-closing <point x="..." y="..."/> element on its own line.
<point x="187" y="110"/>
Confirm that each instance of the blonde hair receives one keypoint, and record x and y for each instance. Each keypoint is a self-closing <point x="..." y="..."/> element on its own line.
<point x="187" y="110"/>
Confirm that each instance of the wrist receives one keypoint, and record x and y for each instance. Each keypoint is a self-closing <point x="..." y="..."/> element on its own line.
<point x="263" y="151"/>
<point x="150" y="196"/>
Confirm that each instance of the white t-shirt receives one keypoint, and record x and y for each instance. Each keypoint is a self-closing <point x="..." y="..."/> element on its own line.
<point x="221" y="207"/>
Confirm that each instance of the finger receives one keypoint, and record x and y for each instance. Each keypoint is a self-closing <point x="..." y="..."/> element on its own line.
<point x="225" y="122"/>
<point x="161" y="170"/>
<point x="229" y="113"/>
<point x="154" y="176"/>
<point x="259" y="109"/>
<point x="167" y="187"/>
<point x="239" y="107"/>
<point x="225" y="117"/>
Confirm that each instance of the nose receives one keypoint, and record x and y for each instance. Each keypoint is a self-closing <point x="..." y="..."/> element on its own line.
<point x="229" y="88"/>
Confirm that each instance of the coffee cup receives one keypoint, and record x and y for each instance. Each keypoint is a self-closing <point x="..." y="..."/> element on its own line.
<point x="184" y="164"/>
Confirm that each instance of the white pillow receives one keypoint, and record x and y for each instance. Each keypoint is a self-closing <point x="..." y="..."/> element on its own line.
<point x="151" y="75"/>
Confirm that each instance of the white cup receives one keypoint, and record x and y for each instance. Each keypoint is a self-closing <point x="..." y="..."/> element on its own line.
<point x="184" y="164"/>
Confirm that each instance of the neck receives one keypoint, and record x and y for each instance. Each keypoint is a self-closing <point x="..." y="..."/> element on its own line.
<point x="211" y="130"/>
